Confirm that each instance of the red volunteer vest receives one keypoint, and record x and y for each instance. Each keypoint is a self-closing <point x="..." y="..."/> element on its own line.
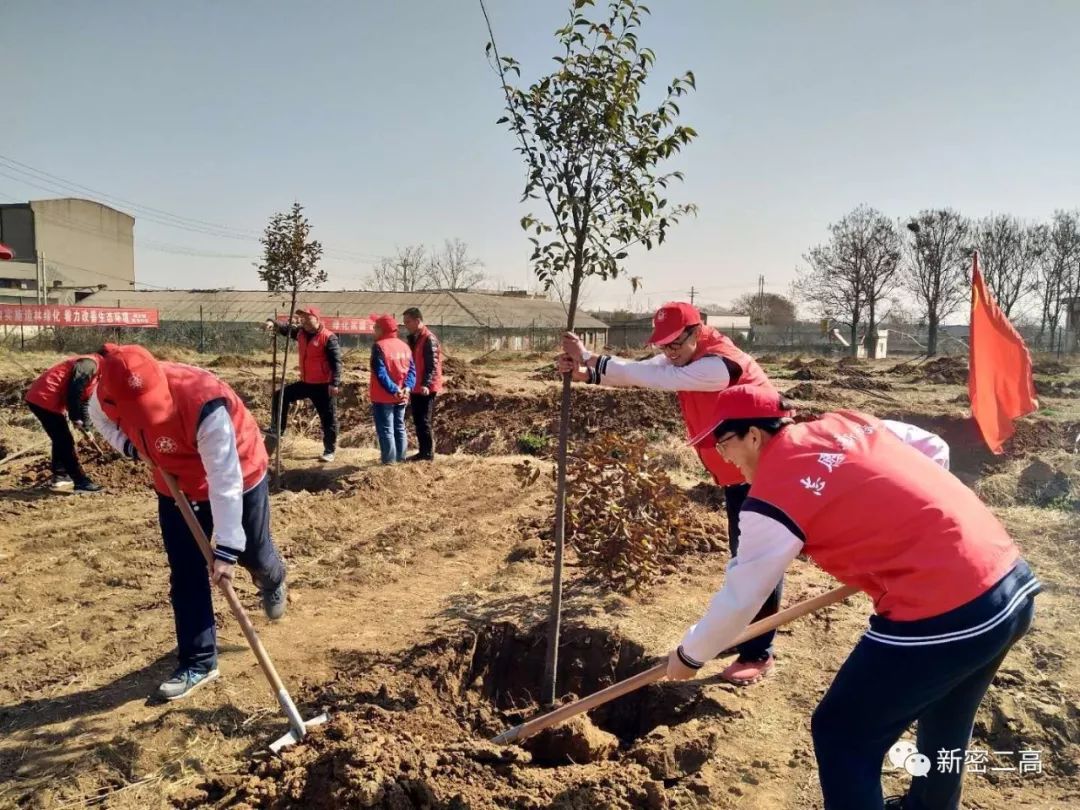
<point x="50" y="390"/>
<point x="396" y="354"/>
<point x="698" y="407"/>
<point x="881" y="516"/>
<point x="171" y="445"/>
<point x="314" y="365"/>
<point x="421" y="369"/>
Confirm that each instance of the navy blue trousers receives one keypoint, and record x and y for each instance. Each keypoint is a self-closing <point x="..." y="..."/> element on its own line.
<point x="932" y="671"/>
<point x="189" y="580"/>
<point x="756" y="649"/>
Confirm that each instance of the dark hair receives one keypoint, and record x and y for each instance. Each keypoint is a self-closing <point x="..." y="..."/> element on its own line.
<point x="412" y="312"/>
<point x="740" y="427"/>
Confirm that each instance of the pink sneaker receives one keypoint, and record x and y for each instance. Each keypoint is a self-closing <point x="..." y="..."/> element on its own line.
<point x="744" y="673"/>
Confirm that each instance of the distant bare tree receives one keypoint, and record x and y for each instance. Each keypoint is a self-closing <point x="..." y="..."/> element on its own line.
<point x="936" y="266"/>
<point x="407" y="270"/>
<point x="1008" y="252"/>
<point x="1058" y="271"/>
<point x="764" y="308"/>
<point x="452" y="268"/>
<point x="852" y="274"/>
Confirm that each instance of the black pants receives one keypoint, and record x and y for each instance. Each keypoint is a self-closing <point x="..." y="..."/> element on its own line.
<point x="758" y="648"/>
<point x="934" y="671"/>
<point x="189" y="580"/>
<point x="423" y="409"/>
<point x="325" y="407"/>
<point x="64" y="459"/>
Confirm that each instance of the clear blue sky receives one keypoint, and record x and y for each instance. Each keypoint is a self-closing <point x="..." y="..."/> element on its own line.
<point x="379" y="118"/>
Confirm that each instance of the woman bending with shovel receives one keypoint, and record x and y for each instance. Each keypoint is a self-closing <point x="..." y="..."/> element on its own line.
<point x="192" y="426"/>
<point x="951" y="592"/>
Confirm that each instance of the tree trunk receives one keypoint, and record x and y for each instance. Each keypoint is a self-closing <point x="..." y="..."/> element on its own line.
<point x="281" y="400"/>
<point x="854" y="347"/>
<point x="932" y="333"/>
<point x="551" y="663"/>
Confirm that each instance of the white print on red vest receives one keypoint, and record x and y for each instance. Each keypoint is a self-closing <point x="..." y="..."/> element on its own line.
<point x="904" y="754"/>
<point x="164" y="444"/>
<point x="815" y="485"/>
<point x="831" y="460"/>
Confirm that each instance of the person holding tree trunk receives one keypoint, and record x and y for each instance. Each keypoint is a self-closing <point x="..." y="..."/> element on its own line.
<point x="393" y="374"/>
<point x="319" y="354"/>
<point x="427" y="357"/>
<point x="698" y="363"/>
<point x="66" y="388"/>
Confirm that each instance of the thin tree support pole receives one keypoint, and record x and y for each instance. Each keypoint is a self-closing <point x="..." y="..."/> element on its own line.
<point x="551" y="662"/>
<point x="281" y="400"/>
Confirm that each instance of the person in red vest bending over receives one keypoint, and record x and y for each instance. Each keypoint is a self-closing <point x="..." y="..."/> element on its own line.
<point x="320" y="377"/>
<point x="393" y="375"/>
<point x="872" y="504"/>
<point x="427" y="356"/>
<point x="187" y="422"/>
<point x="65" y="389"/>
<point x="697" y="362"/>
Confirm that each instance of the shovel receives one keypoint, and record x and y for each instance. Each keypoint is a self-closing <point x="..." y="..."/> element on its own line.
<point x="298" y="728"/>
<point x="656" y="673"/>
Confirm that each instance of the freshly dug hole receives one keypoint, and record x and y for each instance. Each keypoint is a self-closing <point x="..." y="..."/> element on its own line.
<point x="413" y="730"/>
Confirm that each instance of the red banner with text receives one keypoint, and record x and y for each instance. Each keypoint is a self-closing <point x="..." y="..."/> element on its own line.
<point x="342" y="325"/>
<point x="57" y="315"/>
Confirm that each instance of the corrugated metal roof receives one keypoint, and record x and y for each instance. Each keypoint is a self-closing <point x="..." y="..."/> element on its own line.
<point x="468" y="310"/>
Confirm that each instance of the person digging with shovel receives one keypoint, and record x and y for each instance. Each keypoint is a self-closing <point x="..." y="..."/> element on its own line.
<point x="872" y="504"/>
<point x="697" y="362"/>
<point x="66" y="388"/>
<point x="188" y="423"/>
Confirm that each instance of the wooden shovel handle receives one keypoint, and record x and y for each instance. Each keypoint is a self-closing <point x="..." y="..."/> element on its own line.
<point x="655" y="673"/>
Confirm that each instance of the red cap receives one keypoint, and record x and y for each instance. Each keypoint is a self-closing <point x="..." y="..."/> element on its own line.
<point x="670" y="321"/>
<point x="6" y="253"/>
<point x="387" y="323"/>
<point x="743" y="402"/>
<point x="309" y="311"/>
<point x="133" y="380"/>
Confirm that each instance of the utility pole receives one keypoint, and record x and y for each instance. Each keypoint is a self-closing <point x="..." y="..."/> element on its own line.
<point x="691" y="294"/>
<point x="761" y="298"/>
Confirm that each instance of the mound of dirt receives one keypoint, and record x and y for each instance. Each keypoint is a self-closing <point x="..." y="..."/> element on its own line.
<point x="413" y="731"/>
<point x="798" y="363"/>
<point x="1057" y="388"/>
<point x="462" y="376"/>
<point x="12" y="392"/>
<point x="810" y="373"/>
<point x="1050" y="368"/>
<point x="803" y="391"/>
<point x="944" y="371"/>
<point x="239" y="361"/>
<point x="863" y="382"/>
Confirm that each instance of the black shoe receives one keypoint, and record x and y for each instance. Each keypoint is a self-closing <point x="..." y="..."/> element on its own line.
<point x="274" y="601"/>
<point x="88" y="486"/>
<point x="894" y="803"/>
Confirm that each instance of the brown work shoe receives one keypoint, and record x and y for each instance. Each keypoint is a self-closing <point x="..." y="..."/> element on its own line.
<point x="744" y="673"/>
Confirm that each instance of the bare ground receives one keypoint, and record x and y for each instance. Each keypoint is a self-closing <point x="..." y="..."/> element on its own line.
<point x="417" y="595"/>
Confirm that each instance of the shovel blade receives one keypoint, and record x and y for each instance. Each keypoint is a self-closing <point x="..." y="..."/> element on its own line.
<point x="292" y="738"/>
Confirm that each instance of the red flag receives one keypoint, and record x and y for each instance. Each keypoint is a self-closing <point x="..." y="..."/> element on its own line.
<point x="1000" y="384"/>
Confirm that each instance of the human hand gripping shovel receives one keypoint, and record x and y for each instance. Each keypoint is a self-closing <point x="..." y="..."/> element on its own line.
<point x="524" y="730"/>
<point x="298" y="728"/>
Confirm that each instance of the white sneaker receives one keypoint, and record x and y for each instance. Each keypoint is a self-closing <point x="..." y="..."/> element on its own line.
<point x="326" y="457"/>
<point x="61" y="484"/>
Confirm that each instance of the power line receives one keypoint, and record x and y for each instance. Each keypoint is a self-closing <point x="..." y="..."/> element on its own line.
<point x="54" y="184"/>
